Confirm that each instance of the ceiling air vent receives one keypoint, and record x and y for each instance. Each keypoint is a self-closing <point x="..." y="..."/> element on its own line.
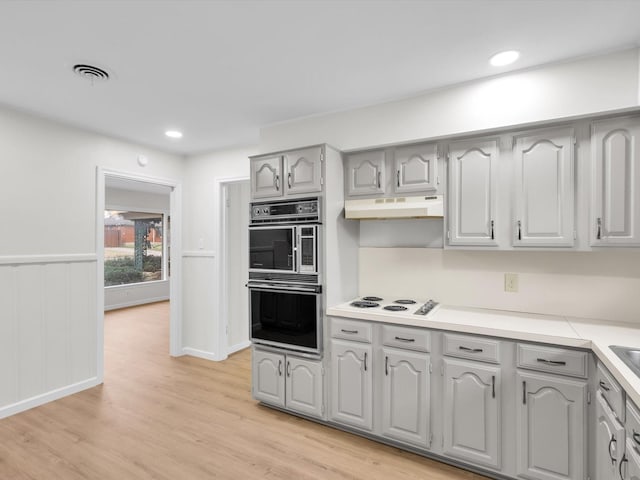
<point x="91" y="73"/>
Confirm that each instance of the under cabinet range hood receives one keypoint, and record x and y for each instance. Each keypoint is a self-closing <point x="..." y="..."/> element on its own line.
<point x="395" y="207"/>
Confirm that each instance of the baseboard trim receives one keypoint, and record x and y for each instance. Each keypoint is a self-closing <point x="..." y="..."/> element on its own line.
<point x="238" y="346"/>
<point x="41" y="399"/>
<point x="194" y="352"/>
<point x="134" y="303"/>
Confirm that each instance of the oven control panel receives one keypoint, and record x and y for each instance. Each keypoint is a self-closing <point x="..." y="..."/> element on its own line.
<point x="304" y="210"/>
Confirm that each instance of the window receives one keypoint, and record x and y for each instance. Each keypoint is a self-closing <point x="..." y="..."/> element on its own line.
<point x="133" y="247"/>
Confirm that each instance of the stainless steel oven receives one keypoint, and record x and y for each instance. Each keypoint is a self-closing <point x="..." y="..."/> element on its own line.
<point x="286" y="315"/>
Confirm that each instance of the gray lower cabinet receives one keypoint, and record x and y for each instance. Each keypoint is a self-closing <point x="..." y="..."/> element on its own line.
<point x="551" y="427"/>
<point x="631" y="467"/>
<point x="405" y="401"/>
<point x="472" y="412"/>
<point x="288" y="381"/>
<point x="351" y="384"/>
<point x="610" y="441"/>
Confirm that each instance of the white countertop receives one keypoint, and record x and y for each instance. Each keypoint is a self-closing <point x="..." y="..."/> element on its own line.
<point x="566" y="331"/>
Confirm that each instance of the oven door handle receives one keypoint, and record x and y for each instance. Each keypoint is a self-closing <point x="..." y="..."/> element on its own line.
<point x="283" y="288"/>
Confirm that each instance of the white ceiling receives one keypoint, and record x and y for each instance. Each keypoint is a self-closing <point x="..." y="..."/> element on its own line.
<point x="219" y="70"/>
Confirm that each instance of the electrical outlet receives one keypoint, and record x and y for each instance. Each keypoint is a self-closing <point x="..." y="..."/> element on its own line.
<point x="511" y="282"/>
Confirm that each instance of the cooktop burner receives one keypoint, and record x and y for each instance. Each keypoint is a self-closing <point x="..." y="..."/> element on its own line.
<point x="395" y="308"/>
<point x="364" y="304"/>
<point x="405" y="302"/>
<point x="372" y="299"/>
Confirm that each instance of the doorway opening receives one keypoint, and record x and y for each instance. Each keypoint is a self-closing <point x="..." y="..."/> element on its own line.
<point x="137" y="227"/>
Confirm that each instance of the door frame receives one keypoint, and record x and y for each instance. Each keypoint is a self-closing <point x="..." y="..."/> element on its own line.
<point x="175" y="279"/>
<point x="220" y="193"/>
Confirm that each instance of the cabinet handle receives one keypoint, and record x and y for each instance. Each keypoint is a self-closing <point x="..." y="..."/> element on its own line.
<point x="551" y="362"/>
<point x="623" y="460"/>
<point x="612" y="442"/>
<point x="406" y="339"/>
<point x="348" y="331"/>
<point x="493" y="237"/>
<point x="599" y="228"/>
<point x="288" y="368"/>
<point x="493" y="386"/>
<point x="519" y="230"/>
<point x="365" y="361"/>
<point x="280" y="367"/>
<point x="471" y="350"/>
<point x="277" y="182"/>
<point x="398" y="178"/>
<point x="603" y="386"/>
<point x="636" y="437"/>
<point x="524" y="392"/>
<point x="289" y="179"/>
<point x="379" y="179"/>
<point x="386" y="365"/>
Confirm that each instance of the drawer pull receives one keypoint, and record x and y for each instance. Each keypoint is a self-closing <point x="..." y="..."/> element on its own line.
<point x="524" y="392"/>
<point x="493" y="386"/>
<point x="349" y="331"/>
<point x="470" y="350"/>
<point x="406" y="339"/>
<point x="604" y="386"/>
<point x="551" y="362"/>
<point x="636" y="437"/>
<point x="386" y="365"/>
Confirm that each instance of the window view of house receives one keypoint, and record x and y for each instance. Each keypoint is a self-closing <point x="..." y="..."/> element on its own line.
<point x="132" y="247"/>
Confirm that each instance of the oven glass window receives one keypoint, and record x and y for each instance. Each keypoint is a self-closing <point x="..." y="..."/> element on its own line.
<point x="271" y="249"/>
<point x="285" y="317"/>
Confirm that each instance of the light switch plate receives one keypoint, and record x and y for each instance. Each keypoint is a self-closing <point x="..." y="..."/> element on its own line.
<point x="511" y="282"/>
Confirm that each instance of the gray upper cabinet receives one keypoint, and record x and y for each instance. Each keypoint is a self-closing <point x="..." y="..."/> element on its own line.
<point x="544" y="189"/>
<point x="303" y="170"/>
<point x="266" y="177"/>
<point x="293" y="172"/>
<point x="615" y="195"/>
<point x="471" y="413"/>
<point x="416" y="168"/>
<point x="472" y="192"/>
<point x="406" y="392"/>
<point x="610" y="440"/>
<point x="366" y="173"/>
<point x="551" y="427"/>
<point x="268" y="377"/>
<point x="352" y="384"/>
<point x="304" y="386"/>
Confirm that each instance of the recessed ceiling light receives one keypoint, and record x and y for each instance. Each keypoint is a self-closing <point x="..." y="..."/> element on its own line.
<point x="173" y="134"/>
<point x="504" y="58"/>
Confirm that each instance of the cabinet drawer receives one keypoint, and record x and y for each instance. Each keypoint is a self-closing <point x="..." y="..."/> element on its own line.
<point x="633" y="425"/>
<point x="611" y="391"/>
<point x="554" y="360"/>
<point x="351" y="330"/>
<point x="468" y="346"/>
<point x="407" y="338"/>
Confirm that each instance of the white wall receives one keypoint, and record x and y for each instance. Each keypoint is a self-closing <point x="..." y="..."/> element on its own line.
<point x="120" y="296"/>
<point x="590" y="284"/>
<point x="580" y="87"/>
<point x="48" y="257"/>
<point x="202" y="325"/>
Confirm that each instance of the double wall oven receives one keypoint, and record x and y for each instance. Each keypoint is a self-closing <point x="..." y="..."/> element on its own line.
<point x="285" y="289"/>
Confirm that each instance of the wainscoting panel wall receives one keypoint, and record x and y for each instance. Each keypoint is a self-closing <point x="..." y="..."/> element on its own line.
<point x="48" y="330"/>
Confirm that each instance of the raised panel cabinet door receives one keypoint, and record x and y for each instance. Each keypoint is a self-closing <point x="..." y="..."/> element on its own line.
<point x="544" y="189"/>
<point x="304" y="386"/>
<point x="266" y="177"/>
<point x="268" y="377"/>
<point x="631" y="463"/>
<point x="615" y="193"/>
<point x="610" y="441"/>
<point x="551" y="427"/>
<point x="304" y="170"/>
<point x="472" y="192"/>
<point x="471" y="414"/>
<point x="416" y="168"/>
<point x="406" y="391"/>
<point x="351" y="382"/>
<point x="366" y="173"/>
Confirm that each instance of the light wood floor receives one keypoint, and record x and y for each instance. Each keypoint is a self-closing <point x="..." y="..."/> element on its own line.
<point x="158" y="417"/>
